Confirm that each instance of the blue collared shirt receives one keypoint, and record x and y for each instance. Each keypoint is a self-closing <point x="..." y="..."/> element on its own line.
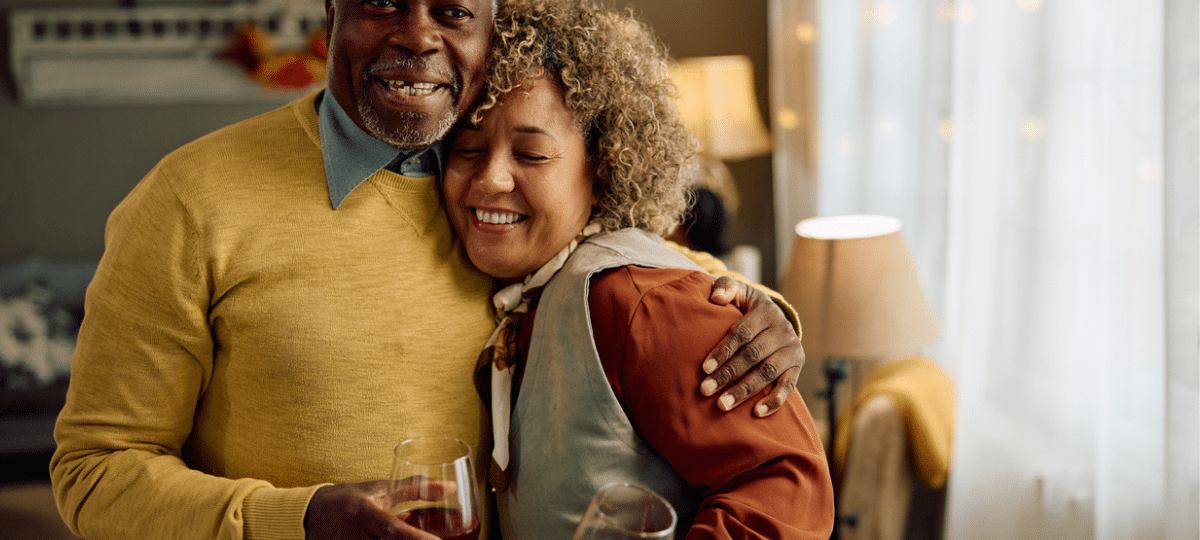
<point x="352" y="155"/>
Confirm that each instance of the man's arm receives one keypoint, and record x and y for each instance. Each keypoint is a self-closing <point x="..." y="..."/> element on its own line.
<point x="143" y="356"/>
<point x="762" y="350"/>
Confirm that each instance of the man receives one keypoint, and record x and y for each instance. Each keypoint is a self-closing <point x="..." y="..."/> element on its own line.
<point x="280" y="302"/>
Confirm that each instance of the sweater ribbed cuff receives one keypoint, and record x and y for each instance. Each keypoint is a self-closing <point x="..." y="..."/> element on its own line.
<point x="276" y="513"/>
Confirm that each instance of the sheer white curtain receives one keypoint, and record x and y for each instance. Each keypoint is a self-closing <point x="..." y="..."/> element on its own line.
<point x="1042" y="156"/>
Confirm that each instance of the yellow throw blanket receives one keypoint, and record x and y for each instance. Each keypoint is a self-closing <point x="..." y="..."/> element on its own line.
<point x="924" y="396"/>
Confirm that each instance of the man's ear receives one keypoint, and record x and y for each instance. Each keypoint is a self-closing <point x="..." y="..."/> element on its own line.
<point x="329" y="9"/>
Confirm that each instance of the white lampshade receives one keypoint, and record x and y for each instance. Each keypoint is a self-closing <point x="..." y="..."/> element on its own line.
<point x="718" y="104"/>
<point x="856" y="289"/>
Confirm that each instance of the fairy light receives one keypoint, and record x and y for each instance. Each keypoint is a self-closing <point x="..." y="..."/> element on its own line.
<point x="966" y="12"/>
<point x="1032" y="128"/>
<point x="881" y="13"/>
<point x="886" y="127"/>
<point x="1148" y="171"/>
<point x="946" y="12"/>
<point x="787" y="118"/>
<point x="885" y="13"/>
<point x="806" y="33"/>
<point x="1029" y="6"/>
<point x="868" y="15"/>
<point x="946" y="128"/>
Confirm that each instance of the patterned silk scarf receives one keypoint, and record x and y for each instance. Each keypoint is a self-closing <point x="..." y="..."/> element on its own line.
<point x="512" y="305"/>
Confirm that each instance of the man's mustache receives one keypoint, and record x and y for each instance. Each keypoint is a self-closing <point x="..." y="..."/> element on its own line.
<point x="419" y="64"/>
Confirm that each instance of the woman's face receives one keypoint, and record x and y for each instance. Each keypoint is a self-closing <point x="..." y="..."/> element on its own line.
<point x="518" y="186"/>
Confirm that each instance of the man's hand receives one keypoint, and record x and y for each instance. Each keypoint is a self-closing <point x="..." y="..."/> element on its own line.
<point x="763" y="341"/>
<point x="358" y="511"/>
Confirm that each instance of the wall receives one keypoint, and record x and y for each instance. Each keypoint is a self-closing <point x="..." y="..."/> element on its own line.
<point x="62" y="170"/>
<point x="720" y="27"/>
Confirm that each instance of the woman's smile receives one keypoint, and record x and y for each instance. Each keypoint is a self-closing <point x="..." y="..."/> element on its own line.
<point x="518" y="184"/>
<point x="501" y="217"/>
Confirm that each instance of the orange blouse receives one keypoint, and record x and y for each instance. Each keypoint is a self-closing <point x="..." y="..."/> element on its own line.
<point x="762" y="477"/>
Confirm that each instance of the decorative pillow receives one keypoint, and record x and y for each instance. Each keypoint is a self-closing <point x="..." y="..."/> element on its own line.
<point x="37" y="338"/>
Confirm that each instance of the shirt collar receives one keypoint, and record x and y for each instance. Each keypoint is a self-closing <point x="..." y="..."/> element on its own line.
<point x="352" y="155"/>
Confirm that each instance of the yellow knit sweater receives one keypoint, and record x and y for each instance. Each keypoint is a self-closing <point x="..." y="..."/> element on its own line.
<point x="244" y="343"/>
<point x="243" y="338"/>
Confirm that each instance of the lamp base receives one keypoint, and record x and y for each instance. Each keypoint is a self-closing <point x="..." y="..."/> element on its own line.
<point x="836" y="371"/>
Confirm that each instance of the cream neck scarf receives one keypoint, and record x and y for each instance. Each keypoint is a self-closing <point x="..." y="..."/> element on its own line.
<point x="512" y="304"/>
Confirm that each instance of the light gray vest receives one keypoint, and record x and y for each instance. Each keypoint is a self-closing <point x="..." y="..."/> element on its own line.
<point x="569" y="435"/>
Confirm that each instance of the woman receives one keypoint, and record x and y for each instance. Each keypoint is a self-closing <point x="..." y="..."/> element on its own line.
<point x="559" y="186"/>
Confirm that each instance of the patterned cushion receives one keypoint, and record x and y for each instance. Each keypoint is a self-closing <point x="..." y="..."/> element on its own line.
<point x="37" y="337"/>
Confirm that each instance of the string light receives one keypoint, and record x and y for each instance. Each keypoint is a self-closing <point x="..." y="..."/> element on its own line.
<point x="886" y="127"/>
<point x="787" y="118"/>
<point x="946" y="128"/>
<point x="882" y="13"/>
<point x="1148" y="171"/>
<point x="1029" y="6"/>
<point x="885" y="13"/>
<point x="806" y="32"/>
<point x="946" y="12"/>
<point x="966" y="12"/>
<point x="868" y="15"/>
<point x="1032" y="128"/>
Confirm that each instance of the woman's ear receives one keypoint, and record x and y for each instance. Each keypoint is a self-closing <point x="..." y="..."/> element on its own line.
<point x="595" y="198"/>
<point x="597" y="189"/>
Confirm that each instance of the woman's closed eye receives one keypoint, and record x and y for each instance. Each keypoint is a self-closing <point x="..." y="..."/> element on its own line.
<point x="535" y="150"/>
<point x="468" y="151"/>
<point x="532" y="158"/>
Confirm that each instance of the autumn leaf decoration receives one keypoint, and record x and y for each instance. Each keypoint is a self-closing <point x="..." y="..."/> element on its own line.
<point x="255" y="51"/>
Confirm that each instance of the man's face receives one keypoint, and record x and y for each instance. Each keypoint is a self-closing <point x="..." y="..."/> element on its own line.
<point x="406" y="70"/>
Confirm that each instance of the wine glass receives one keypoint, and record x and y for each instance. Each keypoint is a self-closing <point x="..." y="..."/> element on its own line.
<point x="624" y="511"/>
<point x="432" y="487"/>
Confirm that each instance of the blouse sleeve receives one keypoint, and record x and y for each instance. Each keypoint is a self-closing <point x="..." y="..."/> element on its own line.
<point x="761" y="478"/>
<point x="717" y="268"/>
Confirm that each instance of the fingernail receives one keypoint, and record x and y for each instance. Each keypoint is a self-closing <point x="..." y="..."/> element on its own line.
<point x="708" y="386"/>
<point x="726" y="402"/>
<point x="710" y="366"/>
<point x="760" y="410"/>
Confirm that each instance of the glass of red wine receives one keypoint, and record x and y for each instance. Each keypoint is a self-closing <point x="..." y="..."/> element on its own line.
<point x="625" y="512"/>
<point x="432" y="487"/>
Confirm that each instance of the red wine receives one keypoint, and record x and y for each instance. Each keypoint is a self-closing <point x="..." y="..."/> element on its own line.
<point x="446" y="523"/>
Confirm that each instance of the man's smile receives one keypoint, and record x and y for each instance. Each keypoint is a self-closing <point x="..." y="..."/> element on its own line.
<point x="411" y="88"/>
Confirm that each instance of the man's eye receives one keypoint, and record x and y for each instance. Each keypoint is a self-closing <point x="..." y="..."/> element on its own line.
<point x="536" y="158"/>
<point x="380" y="3"/>
<point x="456" y="13"/>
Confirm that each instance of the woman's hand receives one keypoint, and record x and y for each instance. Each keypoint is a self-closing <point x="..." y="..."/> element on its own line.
<point x="761" y="349"/>
<point x="360" y="511"/>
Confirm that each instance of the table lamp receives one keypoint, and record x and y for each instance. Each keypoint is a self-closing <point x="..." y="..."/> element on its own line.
<point x="855" y="287"/>
<point x="718" y="104"/>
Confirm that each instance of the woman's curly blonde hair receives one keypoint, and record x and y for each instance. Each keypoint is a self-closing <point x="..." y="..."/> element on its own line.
<point x="616" y="79"/>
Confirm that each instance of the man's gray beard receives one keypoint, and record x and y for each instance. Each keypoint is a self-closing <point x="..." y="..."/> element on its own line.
<point x="407" y="136"/>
